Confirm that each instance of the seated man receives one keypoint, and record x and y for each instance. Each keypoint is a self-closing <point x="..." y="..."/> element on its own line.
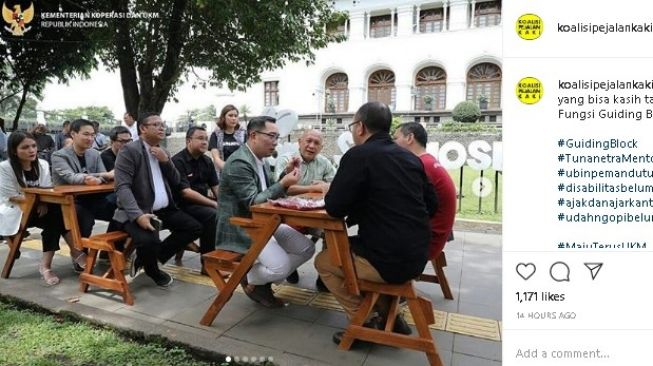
<point x="316" y="172"/>
<point x="144" y="177"/>
<point x="413" y="137"/>
<point x="197" y="177"/>
<point x="119" y="136"/>
<point x="382" y="188"/>
<point x="80" y="164"/>
<point x="246" y="180"/>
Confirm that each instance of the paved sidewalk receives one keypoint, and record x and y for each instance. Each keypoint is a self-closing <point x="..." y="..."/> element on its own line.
<point x="300" y="333"/>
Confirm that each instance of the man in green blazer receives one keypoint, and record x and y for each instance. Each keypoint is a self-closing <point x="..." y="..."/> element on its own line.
<point x="247" y="180"/>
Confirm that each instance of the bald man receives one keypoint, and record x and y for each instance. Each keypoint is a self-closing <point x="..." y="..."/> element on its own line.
<point x="316" y="171"/>
<point x="315" y="174"/>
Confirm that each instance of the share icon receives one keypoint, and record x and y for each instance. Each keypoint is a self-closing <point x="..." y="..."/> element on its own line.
<point x="594" y="268"/>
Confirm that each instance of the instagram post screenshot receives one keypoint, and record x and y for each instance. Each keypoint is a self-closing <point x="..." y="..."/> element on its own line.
<point x="325" y="182"/>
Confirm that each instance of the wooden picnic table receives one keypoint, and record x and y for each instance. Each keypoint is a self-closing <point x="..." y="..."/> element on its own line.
<point x="63" y="196"/>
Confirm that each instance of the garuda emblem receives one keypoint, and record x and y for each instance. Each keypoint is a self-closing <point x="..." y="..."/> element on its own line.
<point x="17" y="19"/>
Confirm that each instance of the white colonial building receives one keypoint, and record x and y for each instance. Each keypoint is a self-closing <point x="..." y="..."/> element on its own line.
<point x="419" y="57"/>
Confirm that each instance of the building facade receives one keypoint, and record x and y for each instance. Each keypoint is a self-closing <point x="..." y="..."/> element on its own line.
<point x="419" y="57"/>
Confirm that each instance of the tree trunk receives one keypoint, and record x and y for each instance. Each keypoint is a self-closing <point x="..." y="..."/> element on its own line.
<point x="125" y="56"/>
<point x="23" y="98"/>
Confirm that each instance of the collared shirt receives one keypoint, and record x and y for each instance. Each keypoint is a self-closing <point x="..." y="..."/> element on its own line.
<point x="197" y="174"/>
<point x="133" y="129"/>
<point x="160" y="195"/>
<point x="319" y="168"/>
<point x="261" y="170"/>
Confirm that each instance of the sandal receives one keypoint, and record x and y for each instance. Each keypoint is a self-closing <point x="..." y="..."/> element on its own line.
<point x="79" y="262"/>
<point x="49" y="276"/>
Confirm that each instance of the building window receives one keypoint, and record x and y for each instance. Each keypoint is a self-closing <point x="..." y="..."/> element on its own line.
<point x="337" y="94"/>
<point x="431" y="20"/>
<point x="487" y="14"/>
<point x="430" y="89"/>
<point x="381" y="26"/>
<point x="484" y="84"/>
<point x="271" y="93"/>
<point x="381" y="87"/>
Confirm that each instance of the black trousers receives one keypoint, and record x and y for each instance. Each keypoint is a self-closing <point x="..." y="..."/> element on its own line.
<point x="52" y="225"/>
<point x="207" y="216"/>
<point x="149" y="248"/>
<point x="92" y="207"/>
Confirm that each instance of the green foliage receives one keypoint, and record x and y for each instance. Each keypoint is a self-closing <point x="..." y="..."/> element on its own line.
<point x="466" y="112"/>
<point x="93" y="113"/>
<point x="396" y="121"/>
<point x="470" y="201"/>
<point x="9" y="107"/>
<point x="44" y="54"/>
<point x="467" y="127"/>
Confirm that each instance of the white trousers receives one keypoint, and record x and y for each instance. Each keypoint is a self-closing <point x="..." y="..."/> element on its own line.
<point x="286" y="250"/>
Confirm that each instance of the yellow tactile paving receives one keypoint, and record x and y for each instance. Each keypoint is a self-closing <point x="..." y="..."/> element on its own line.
<point x="326" y="301"/>
<point x="450" y="322"/>
<point x="473" y="326"/>
<point x="294" y="295"/>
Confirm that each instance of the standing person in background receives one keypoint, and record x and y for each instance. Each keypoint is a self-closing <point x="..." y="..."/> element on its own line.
<point x="100" y="141"/>
<point x="24" y="169"/>
<point x="227" y="138"/>
<point x="44" y="143"/>
<point x="3" y="141"/>
<point x="129" y="122"/>
<point x="60" y="138"/>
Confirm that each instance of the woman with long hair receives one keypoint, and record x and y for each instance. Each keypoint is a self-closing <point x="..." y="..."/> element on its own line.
<point x="24" y="169"/>
<point x="227" y="138"/>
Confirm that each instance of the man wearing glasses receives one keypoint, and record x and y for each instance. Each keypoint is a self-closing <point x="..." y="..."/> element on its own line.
<point x="119" y="136"/>
<point x="145" y="176"/>
<point x="247" y="180"/>
<point x="198" y="176"/>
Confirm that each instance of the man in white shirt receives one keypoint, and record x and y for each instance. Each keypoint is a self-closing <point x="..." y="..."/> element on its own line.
<point x="129" y="122"/>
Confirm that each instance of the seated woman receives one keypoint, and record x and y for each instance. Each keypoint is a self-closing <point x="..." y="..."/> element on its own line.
<point x="25" y="169"/>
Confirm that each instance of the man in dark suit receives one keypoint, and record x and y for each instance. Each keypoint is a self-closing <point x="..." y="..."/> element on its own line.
<point x="144" y="174"/>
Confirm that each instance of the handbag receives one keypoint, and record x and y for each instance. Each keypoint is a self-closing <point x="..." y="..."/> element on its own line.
<point x="10" y="216"/>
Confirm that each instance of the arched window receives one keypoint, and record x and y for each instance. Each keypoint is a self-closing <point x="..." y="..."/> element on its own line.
<point x="381" y="87"/>
<point x="430" y="89"/>
<point x="487" y="14"/>
<point x="484" y="83"/>
<point x="337" y="93"/>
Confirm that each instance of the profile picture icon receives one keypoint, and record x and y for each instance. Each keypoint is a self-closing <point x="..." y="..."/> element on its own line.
<point x="529" y="27"/>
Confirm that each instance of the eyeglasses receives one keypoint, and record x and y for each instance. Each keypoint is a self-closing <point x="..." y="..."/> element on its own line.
<point x="351" y="125"/>
<point x="200" y="138"/>
<point x="272" y="135"/>
<point x="124" y="141"/>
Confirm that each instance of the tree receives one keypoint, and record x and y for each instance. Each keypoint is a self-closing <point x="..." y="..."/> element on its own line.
<point x="234" y="40"/>
<point x="102" y="114"/>
<point x="42" y="55"/>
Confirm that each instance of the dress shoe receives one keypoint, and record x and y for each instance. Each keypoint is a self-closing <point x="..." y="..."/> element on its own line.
<point x="261" y="294"/>
<point x="401" y="326"/>
<point x="293" y="277"/>
<point x="374" y="323"/>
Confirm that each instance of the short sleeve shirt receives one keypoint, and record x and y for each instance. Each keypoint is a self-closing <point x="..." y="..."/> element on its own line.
<point x="31" y="178"/>
<point x="197" y="174"/>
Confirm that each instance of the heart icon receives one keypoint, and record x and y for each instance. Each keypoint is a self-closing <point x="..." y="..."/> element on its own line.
<point x="525" y="270"/>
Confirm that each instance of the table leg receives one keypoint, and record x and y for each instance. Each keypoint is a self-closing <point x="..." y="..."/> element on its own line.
<point x="15" y="241"/>
<point x="70" y="220"/>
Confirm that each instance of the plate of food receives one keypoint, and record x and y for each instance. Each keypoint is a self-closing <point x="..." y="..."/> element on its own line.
<point x="299" y="203"/>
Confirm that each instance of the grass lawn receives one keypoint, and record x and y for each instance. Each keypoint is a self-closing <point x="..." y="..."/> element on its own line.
<point x="470" y="200"/>
<point x="35" y="339"/>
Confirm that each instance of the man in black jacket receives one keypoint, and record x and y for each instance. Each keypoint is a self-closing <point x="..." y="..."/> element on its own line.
<point x="382" y="188"/>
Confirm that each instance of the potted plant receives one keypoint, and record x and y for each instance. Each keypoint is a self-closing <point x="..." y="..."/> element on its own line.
<point x="428" y="102"/>
<point x="482" y="102"/>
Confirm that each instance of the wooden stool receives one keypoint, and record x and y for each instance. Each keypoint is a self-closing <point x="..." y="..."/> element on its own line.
<point x="420" y="308"/>
<point x="219" y="262"/>
<point x="113" y="278"/>
<point x="439" y="263"/>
